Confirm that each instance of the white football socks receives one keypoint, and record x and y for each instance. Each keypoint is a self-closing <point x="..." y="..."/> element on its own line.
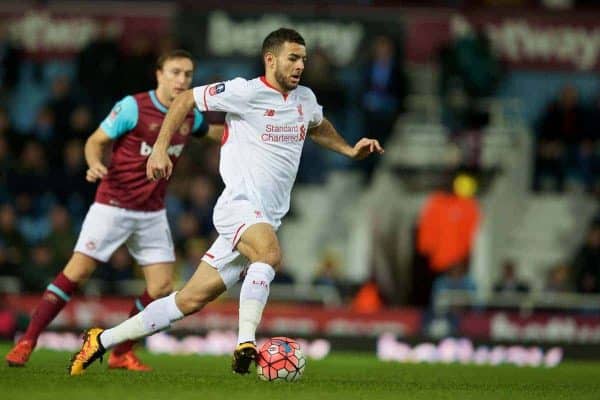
<point x="253" y="297"/>
<point x="157" y="316"/>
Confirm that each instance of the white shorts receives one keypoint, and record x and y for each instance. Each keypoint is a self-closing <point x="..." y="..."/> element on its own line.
<point x="231" y="221"/>
<point x="146" y="234"/>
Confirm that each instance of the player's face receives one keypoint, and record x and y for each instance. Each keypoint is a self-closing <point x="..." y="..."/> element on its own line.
<point x="175" y="76"/>
<point x="289" y="65"/>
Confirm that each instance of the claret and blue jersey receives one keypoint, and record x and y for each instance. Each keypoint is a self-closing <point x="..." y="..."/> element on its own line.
<point x="134" y="124"/>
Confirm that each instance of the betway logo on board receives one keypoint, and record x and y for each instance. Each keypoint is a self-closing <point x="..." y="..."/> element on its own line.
<point x="227" y="36"/>
<point x="520" y="41"/>
<point x="41" y="31"/>
<point x="553" y="329"/>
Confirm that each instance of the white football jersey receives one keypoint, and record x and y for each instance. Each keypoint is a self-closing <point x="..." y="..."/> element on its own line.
<point x="263" y="139"/>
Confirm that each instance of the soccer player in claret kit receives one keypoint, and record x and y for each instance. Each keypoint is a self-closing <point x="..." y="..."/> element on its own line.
<point x="128" y="208"/>
<point x="267" y="121"/>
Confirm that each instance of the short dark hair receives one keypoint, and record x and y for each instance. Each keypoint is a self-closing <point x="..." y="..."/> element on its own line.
<point x="276" y="39"/>
<point x="169" y="55"/>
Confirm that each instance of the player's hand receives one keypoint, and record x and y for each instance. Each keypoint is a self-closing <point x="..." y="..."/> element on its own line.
<point x="364" y="147"/>
<point x="95" y="172"/>
<point x="158" y="166"/>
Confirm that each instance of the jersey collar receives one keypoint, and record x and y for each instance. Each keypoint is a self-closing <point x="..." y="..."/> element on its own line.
<point x="161" y="107"/>
<point x="263" y="79"/>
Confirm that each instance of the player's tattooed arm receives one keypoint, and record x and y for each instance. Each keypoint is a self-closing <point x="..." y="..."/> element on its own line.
<point x="326" y="135"/>
<point x="159" y="164"/>
<point x="94" y="151"/>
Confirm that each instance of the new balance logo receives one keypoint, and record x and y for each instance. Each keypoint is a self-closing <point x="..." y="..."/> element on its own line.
<point x="269" y="113"/>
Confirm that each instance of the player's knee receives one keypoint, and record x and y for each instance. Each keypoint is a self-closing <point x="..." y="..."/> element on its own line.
<point x="160" y="289"/>
<point x="271" y="256"/>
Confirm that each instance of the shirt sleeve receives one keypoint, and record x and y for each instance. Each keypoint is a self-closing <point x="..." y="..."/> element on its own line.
<point x="122" y="118"/>
<point x="200" y="124"/>
<point x="228" y="96"/>
<point x="316" y="113"/>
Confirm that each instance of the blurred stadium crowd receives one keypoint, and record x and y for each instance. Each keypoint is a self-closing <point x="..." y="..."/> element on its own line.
<point x="44" y="195"/>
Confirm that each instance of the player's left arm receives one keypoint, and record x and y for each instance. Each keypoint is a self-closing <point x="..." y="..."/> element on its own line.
<point x="327" y="136"/>
<point x="215" y="133"/>
<point x="201" y="129"/>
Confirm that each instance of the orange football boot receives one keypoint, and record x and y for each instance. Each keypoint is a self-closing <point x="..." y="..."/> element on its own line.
<point x="19" y="355"/>
<point x="128" y="361"/>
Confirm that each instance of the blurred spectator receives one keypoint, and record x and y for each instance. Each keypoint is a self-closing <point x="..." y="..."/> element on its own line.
<point x="509" y="282"/>
<point x="469" y="72"/>
<point x="118" y="269"/>
<point x="187" y="228"/>
<point x="321" y="76"/>
<point x="10" y="62"/>
<point x="30" y="176"/>
<point x="202" y="197"/>
<point x="283" y="275"/>
<point x="194" y="249"/>
<point x="13" y="242"/>
<point x="61" y="237"/>
<point x="586" y="266"/>
<point x="6" y="165"/>
<point x="68" y="182"/>
<point x="385" y="88"/>
<point x="469" y="64"/>
<point x="138" y="67"/>
<point x="97" y="70"/>
<point x="368" y="298"/>
<point x="445" y="234"/>
<point x="6" y="129"/>
<point x="558" y="279"/>
<point x="469" y="138"/>
<point x="456" y="278"/>
<point x="43" y="128"/>
<point x="589" y="159"/>
<point x="32" y="218"/>
<point x="39" y="268"/>
<point x="62" y="102"/>
<point x="328" y="272"/>
<point x="560" y="132"/>
<point x="80" y="123"/>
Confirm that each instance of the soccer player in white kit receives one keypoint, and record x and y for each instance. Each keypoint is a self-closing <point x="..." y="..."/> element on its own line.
<point x="267" y="121"/>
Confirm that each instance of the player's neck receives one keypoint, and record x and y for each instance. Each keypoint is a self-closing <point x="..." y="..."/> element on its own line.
<point x="163" y="99"/>
<point x="272" y="82"/>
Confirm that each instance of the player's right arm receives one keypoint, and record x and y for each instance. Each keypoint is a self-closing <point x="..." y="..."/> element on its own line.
<point x="94" y="150"/>
<point x="122" y="118"/>
<point x="159" y="164"/>
<point x="229" y="96"/>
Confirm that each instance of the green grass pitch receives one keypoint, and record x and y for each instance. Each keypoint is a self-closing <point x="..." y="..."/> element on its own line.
<point x="340" y="376"/>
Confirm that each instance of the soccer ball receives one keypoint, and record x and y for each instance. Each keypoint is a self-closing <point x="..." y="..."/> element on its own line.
<point x="280" y="359"/>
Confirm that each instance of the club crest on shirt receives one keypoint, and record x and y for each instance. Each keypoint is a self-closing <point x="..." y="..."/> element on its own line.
<point x="114" y="112"/>
<point x="216" y="89"/>
<point x="153" y="126"/>
<point x="300" y="113"/>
